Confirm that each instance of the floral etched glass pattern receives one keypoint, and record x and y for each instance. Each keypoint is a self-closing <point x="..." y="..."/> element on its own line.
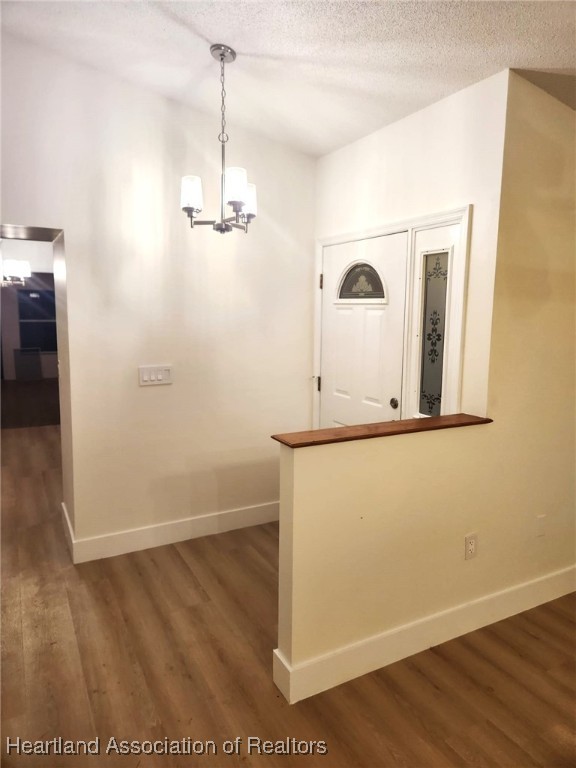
<point x="361" y="282"/>
<point x="433" y="331"/>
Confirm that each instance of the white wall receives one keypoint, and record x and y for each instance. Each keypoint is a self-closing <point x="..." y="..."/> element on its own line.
<point x="102" y="160"/>
<point x="444" y="157"/>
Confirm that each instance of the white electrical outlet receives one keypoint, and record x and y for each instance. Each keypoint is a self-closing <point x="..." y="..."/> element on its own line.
<point x="540" y="525"/>
<point x="470" y="546"/>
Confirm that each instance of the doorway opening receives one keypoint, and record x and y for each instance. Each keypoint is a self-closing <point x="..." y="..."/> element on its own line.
<point x="28" y="341"/>
<point x="42" y="326"/>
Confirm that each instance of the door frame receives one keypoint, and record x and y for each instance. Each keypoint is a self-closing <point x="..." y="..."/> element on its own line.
<point x="56" y="237"/>
<point x="455" y="304"/>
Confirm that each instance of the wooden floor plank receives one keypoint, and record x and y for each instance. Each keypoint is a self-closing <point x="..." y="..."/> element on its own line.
<point x="377" y="705"/>
<point x="438" y="714"/>
<point x="118" y="694"/>
<point x="169" y="581"/>
<point x="496" y="725"/>
<point x="505" y="658"/>
<point x="564" y="675"/>
<point x="173" y="676"/>
<point x="555" y="623"/>
<point x="565" y="605"/>
<point x="53" y="676"/>
<point x="537" y="642"/>
<point x="13" y="700"/>
<point x="510" y="696"/>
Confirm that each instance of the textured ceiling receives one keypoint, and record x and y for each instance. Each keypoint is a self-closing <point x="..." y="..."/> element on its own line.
<point x="314" y="74"/>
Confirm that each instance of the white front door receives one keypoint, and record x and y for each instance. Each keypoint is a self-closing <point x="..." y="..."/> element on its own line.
<point x="363" y="300"/>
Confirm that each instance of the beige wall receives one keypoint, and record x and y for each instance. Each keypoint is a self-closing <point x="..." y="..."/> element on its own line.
<point x="444" y="157"/>
<point x="102" y="160"/>
<point x="372" y="544"/>
<point x="532" y="379"/>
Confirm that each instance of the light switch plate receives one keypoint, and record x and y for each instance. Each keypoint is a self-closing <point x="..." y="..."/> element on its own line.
<point x="154" y="375"/>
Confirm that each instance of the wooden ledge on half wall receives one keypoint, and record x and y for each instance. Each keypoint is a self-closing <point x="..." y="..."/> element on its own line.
<point x="380" y="429"/>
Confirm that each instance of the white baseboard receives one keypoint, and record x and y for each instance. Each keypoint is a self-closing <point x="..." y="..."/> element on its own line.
<point x="298" y="681"/>
<point x="121" y="542"/>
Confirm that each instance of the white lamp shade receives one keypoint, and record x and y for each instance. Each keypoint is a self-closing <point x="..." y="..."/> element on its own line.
<point x="236" y="185"/>
<point x="191" y="196"/>
<point x="251" y="207"/>
<point x="16" y="268"/>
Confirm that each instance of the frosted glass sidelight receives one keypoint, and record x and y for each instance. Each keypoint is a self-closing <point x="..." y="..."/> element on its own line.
<point x="433" y="325"/>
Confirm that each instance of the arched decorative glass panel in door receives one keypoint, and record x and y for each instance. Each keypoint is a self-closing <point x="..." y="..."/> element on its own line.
<point x="361" y="282"/>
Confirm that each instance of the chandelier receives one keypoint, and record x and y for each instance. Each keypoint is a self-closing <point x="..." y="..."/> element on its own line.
<point x="234" y="188"/>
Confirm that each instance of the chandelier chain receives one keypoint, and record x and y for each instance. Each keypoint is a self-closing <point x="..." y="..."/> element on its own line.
<point x="223" y="137"/>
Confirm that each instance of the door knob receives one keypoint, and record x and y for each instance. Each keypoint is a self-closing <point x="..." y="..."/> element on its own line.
<point x="394" y="403"/>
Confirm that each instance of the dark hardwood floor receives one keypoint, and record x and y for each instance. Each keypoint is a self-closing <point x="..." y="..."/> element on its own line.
<point x="177" y="642"/>
<point x="30" y="403"/>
